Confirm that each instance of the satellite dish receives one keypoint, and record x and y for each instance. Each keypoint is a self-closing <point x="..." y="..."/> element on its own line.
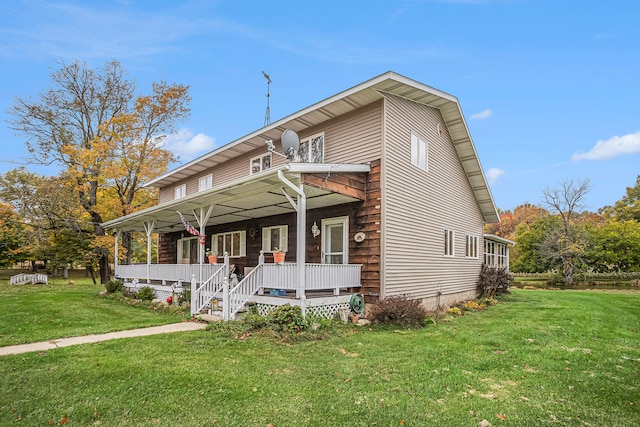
<point x="290" y="143"/>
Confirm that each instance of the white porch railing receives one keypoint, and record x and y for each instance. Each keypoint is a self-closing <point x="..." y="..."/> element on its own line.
<point x="317" y="276"/>
<point x="165" y="272"/>
<point x="202" y="295"/>
<point x="216" y="282"/>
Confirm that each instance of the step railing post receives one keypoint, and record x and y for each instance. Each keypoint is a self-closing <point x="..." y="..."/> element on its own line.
<point x="193" y="294"/>
<point x="226" y="303"/>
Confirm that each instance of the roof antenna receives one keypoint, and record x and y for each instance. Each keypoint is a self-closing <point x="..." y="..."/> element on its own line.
<point x="267" y="114"/>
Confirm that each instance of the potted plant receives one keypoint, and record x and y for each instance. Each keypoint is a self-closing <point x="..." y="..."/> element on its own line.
<point x="278" y="256"/>
<point x="213" y="258"/>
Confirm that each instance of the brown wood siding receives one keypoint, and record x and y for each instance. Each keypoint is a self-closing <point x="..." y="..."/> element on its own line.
<point x="353" y="138"/>
<point x="349" y="184"/>
<point x="419" y="205"/>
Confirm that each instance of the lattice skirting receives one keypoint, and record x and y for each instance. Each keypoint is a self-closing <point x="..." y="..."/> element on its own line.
<point x="161" y="292"/>
<point x="327" y="311"/>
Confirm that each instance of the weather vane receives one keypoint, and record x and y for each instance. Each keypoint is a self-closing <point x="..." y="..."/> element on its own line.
<point x="267" y="114"/>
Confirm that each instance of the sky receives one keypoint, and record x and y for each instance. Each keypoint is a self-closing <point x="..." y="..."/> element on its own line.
<point x="550" y="89"/>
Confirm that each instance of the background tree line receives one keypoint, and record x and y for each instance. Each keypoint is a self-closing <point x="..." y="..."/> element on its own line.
<point x="107" y="141"/>
<point x="561" y="236"/>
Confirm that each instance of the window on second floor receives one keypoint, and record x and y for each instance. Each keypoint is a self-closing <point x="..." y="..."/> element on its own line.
<point x="419" y="152"/>
<point x="205" y="182"/>
<point x="260" y="163"/>
<point x="274" y="238"/>
<point x="311" y="150"/>
<point x="180" y="191"/>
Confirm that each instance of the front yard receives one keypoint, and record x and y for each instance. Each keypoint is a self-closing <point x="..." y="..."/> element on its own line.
<point x="541" y="358"/>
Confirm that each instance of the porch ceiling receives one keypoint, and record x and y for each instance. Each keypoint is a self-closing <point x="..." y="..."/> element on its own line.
<point x="258" y="196"/>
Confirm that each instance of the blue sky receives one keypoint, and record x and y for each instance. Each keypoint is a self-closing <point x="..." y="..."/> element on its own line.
<point x="550" y="89"/>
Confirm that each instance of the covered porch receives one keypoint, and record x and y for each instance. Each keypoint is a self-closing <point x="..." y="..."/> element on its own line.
<point x="292" y="189"/>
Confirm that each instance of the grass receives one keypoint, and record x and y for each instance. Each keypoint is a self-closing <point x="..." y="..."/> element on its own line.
<point x="562" y="358"/>
<point x="31" y="313"/>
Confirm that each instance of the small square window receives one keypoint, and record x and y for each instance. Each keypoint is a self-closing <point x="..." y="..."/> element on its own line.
<point x="260" y="163"/>
<point x="205" y="182"/>
<point x="180" y="191"/>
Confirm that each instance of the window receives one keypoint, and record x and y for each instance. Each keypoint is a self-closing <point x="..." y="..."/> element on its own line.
<point x="260" y="163"/>
<point x="311" y="150"/>
<point x="274" y="238"/>
<point x="471" y="250"/>
<point x="180" y="191"/>
<point x="503" y="255"/>
<point x="489" y="253"/>
<point x="419" y="152"/>
<point x="449" y="240"/>
<point x="233" y="242"/>
<point x="205" y="182"/>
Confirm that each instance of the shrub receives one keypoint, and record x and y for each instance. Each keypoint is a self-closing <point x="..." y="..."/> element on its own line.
<point x="493" y="281"/>
<point x="146" y="293"/>
<point x="399" y="310"/>
<point x="113" y="285"/>
<point x="454" y="311"/>
<point x="471" y="305"/>
<point x="287" y="317"/>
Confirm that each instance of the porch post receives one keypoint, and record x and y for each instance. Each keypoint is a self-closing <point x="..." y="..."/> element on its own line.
<point x="202" y="222"/>
<point x="148" y="227"/>
<point x="301" y="209"/>
<point x="301" y="245"/>
<point x="116" y="253"/>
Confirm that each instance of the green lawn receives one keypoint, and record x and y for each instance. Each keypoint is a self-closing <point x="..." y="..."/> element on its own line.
<point x="558" y="358"/>
<point x="30" y="313"/>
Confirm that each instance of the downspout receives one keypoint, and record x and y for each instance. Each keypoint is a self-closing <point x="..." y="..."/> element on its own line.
<point x="301" y="209"/>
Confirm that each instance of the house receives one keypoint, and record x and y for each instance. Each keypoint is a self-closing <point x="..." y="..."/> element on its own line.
<point x="382" y="194"/>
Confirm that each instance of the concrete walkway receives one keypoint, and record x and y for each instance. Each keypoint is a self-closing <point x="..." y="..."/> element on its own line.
<point x="65" y="342"/>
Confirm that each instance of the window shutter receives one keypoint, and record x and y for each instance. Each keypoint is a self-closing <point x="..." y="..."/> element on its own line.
<point x="243" y="243"/>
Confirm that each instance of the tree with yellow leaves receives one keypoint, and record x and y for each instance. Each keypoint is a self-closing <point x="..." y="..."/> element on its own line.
<point x="92" y="125"/>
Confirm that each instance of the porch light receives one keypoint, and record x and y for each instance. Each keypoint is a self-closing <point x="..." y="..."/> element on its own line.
<point x="315" y="230"/>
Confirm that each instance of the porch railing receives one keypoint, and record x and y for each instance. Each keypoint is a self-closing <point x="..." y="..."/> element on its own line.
<point x="165" y="272"/>
<point x="213" y="287"/>
<point x="317" y="276"/>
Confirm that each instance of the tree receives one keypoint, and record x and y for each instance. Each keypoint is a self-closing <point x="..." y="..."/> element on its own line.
<point x="56" y="225"/>
<point x="11" y="237"/>
<point x="615" y="247"/>
<point x="528" y="255"/>
<point x="81" y="122"/>
<point x="628" y="208"/>
<point x="567" y="200"/>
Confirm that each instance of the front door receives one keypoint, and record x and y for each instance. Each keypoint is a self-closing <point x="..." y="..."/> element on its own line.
<point x="335" y="232"/>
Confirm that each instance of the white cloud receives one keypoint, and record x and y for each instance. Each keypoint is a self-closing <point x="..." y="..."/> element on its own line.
<point x="493" y="175"/>
<point x="612" y="147"/>
<point x="188" y="146"/>
<point x="482" y="115"/>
